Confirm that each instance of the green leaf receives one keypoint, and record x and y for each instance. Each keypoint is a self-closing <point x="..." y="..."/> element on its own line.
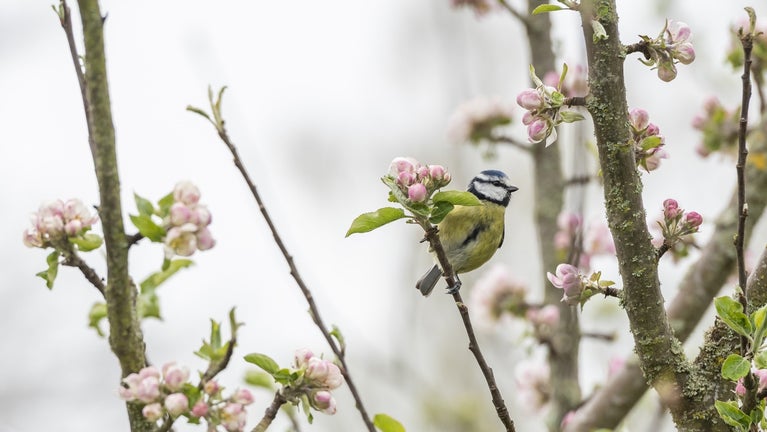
<point x="259" y="379"/>
<point x="49" y="274"/>
<point x="157" y="278"/>
<point x="148" y="305"/>
<point x="570" y="116"/>
<point x="144" y="206"/>
<point x="87" y="242"/>
<point x="457" y="198"/>
<point x="759" y="321"/>
<point x="369" y="221"/>
<point x="557" y="99"/>
<point x="164" y="204"/>
<point x="599" y="31"/>
<point x="760" y="360"/>
<point x="439" y="211"/>
<point x="394" y="191"/>
<point x="534" y="78"/>
<point x="732" y="415"/>
<point x="731" y="312"/>
<point x="148" y="228"/>
<point x="97" y="313"/>
<point x="284" y="376"/>
<point x="651" y="142"/>
<point x="735" y="367"/>
<point x="386" y="423"/>
<point x="264" y="362"/>
<point x="336" y="333"/>
<point x="562" y="77"/>
<point x="546" y="8"/>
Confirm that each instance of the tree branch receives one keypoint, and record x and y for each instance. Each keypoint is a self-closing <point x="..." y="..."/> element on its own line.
<point x="313" y="309"/>
<point x="432" y="236"/>
<point x="125" y="336"/>
<point x="72" y="259"/>
<point x="271" y="413"/>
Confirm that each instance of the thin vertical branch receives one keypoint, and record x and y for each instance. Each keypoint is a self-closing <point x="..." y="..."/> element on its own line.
<point x="447" y="270"/>
<point x="314" y="311"/>
<point x="125" y="336"/>
<point x="270" y="413"/>
<point x="746" y="40"/>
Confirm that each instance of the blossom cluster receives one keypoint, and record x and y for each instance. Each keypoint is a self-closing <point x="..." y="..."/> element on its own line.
<point x="543" y="105"/>
<point x="417" y="182"/>
<point x="648" y="142"/>
<point x="318" y="378"/>
<point x="498" y="293"/>
<point x="719" y="127"/>
<point x="533" y="383"/>
<point x="57" y="220"/>
<point x="577" y="287"/>
<point x="596" y="240"/>
<point x="475" y="120"/>
<point x="673" y="45"/>
<point x="167" y="392"/>
<point x="677" y="223"/>
<point x="187" y="222"/>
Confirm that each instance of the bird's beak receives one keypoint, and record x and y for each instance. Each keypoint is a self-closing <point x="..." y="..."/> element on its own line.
<point x="513" y="189"/>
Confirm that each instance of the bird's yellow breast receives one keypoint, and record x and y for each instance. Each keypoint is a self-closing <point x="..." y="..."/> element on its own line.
<point x="471" y="235"/>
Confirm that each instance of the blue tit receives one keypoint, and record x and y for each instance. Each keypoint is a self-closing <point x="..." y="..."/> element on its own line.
<point x="470" y="235"/>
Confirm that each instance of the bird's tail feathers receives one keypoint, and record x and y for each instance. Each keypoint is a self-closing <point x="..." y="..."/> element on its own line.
<point x="429" y="280"/>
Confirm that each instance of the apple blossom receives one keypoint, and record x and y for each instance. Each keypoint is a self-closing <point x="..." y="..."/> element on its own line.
<point x="476" y="119"/>
<point x="233" y="417"/>
<point x="242" y="396"/>
<point x="324" y="401"/>
<point x="174" y="376"/>
<point x="176" y="404"/>
<point x="152" y="412"/>
<point x="200" y="409"/>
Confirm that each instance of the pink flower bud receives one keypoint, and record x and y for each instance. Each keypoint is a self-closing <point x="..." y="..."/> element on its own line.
<point x="652" y="162"/>
<point x="761" y="375"/>
<point x="32" y="238"/>
<point x="302" y="357"/>
<point x="205" y="239"/>
<point x="436" y="172"/>
<point x="242" y="396"/>
<point x="200" y="409"/>
<point x="152" y="412"/>
<point x="530" y="99"/>
<point x="324" y="401"/>
<point x="740" y="389"/>
<point x="176" y="404"/>
<point x="666" y="71"/>
<point x="233" y="417"/>
<point x="148" y="389"/>
<point x="693" y="219"/>
<point x="671" y="209"/>
<point x="546" y="316"/>
<point x="180" y="214"/>
<point x="406" y="178"/>
<point x="181" y="240"/>
<point x="678" y="32"/>
<point x="422" y="171"/>
<point x="417" y="192"/>
<point x="323" y="373"/>
<point x="73" y="227"/>
<point x="402" y="164"/>
<point x="652" y="130"/>
<point x="537" y="130"/>
<point x="175" y="376"/>
<point x="186" y="192"/>
<point x="202" y="216"/>
<point x="685" y="53"/>
<point x="527" y="118"/>
<point x="211" y="387"/>
<point x="567" y="278"/>
<point x="639" y="119"/>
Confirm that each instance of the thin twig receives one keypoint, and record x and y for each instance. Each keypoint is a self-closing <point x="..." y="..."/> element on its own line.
<point x="640" y="47"/>
<point x="313" y="309"/>
<point x="432" y="235"/>
<point x="65" y="17"/>
<point x="607" y="337"/>
<point x="134" y="238"/>
<point x="523" y="19"/>
<point x="270" y="413"/>
<point x="72" y="259"/>
<point x="575" y="101"/>
<point x="746" y="40"/>
<point x="511" y="141"/>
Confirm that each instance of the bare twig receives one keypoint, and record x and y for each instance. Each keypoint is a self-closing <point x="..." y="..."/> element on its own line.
<point x="511" y="141"/>
<point x="314" y="311"/>
<point x="72" y="259"/>
<point x="432" y="236"/>
<point x="523" y="19"/>
<point x="134" y="238"/>
<point x="747" y="41"/>
<point x="270" y="413"/>
<point x="641" y="47"/>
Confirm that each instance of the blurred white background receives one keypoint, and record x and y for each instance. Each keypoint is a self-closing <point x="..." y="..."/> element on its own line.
<point x="322" y="95"/>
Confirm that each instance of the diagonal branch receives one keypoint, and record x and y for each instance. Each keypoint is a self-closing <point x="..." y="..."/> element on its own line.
<point x="447" y="270"/>
<point x="218" y="122"/>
